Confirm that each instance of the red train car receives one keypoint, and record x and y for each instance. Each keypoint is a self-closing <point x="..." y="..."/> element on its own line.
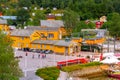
<point x="70" y="62"/>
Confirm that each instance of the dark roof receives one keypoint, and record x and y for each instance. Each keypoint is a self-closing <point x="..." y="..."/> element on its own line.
<point x="21" y="32"/>
<point x="42" y="28"/>
<point x="52" y="23"/>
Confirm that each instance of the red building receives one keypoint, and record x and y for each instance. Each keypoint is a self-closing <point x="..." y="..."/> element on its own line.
<point x="98" y="24"/>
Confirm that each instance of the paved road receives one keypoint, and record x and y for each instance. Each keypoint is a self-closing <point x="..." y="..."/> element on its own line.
<point x="29" y="65"/>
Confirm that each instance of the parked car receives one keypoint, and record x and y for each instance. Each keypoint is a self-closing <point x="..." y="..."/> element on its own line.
<point x="34" y="50"/>
<point x="26" y="49"/>
<point x="49" y="52"/>
<point x="38" y="50"/>
<point x="31" y="50"/>
<point x="43" y="51"/>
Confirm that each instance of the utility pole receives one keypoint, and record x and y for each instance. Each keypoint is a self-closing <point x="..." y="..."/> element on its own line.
<point x="108" y="43"/>
<point x="114" y="43"/>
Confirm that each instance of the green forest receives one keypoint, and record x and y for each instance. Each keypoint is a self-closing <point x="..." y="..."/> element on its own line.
<point x="85" y="8"/>
<point x="75" y="11"/>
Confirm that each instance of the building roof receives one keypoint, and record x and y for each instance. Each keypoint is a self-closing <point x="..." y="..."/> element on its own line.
<point x="44" y="41"/>
<point x="54" y="42"/>
<point x="52" y="23"/>
<point x="9" y="17"/>
<point x="50" y="16"/>
<point x="2" y="21"/>
<point x="42" y="28"/>
<point x="21" y="32"/>
<point x="63" y="43"/>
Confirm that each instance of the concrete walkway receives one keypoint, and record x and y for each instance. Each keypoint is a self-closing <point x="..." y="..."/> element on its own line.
<point x="63" y="76"/>
<point x="30" y="75"/>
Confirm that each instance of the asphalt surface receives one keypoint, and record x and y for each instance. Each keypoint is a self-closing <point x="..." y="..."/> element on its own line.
<point x="29" y="65"/>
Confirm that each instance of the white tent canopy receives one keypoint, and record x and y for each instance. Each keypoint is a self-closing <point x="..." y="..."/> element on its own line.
<point x="110" y="60"/>
<point x="108" y="54"/>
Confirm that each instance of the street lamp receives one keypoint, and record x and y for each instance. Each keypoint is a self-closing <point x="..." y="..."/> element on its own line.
<point x="26" y="64"/>
<point x="41" y="63"/>
<point x="114" y="43"/>
<point x="66" y="60"/>
<point x="108" y="42"/>
<point x="54" y="58"/>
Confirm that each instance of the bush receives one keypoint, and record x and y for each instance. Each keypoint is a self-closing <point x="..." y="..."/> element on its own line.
<point x="79" y="66"/>
<point x="71" y="68"/>
<point x="48" y="73"/>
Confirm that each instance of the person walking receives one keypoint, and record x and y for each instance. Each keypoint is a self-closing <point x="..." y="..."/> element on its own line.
<point x="42" y="56"/>
<point x="33" y="56"/>
<point x="26" y="54"/>
<point x="38" y="56"/>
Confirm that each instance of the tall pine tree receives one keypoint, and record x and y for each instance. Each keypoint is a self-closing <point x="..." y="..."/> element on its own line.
<point x="9" y="69"/>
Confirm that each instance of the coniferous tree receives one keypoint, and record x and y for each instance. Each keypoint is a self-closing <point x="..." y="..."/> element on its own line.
<point x="9" y="69"/>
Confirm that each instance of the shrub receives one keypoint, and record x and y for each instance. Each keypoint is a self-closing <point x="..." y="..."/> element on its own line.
<point x="48" y="73"/>
<point x="71" y="68"/>
<point x="79" y="66"/>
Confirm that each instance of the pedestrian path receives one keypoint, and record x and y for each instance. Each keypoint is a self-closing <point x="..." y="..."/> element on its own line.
<point x="63" y="76"/>
<point x="30" y="76"/>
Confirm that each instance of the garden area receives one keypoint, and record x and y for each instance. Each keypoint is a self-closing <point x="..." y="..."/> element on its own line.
<point x="52" y="73"/>
<point x="48" y="73"/>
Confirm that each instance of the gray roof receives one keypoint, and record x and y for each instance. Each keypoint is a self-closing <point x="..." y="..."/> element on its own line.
<point x="63" y="43"/>
<point x="3" y="21"/>
<point x="21" y="32"/>
<point x="44" y="41"/>
<point x="93" y="38"/>
<point x="42" y="28"/>
<point x="52" y="23"/>
<point x="54" y="42"/>
<point x="9" y="17"/>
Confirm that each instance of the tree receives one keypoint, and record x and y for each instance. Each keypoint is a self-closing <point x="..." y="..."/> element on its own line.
<point x="84" y="25"/>
<point x="113" y="24"/>
<point x="9" y="69"/>
<point x="1" y="9"/>
<point x="39" y="16"/>
<point x="70" y="19"/>
<point x="25" y="3"/>
<point x="22" y="16"/>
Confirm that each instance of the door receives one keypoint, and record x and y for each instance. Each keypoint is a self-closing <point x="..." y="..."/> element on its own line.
<point x="66" y="50"/>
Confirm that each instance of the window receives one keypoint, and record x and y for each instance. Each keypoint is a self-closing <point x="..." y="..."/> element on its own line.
<point x="32" y="45"/>
<point x="51" y="46"/>
<point x="22" y="38"/>
<point x="18" y="44"/>
<point x="26" y="45"/>
<point x="40" y="46"/>
<point x="30" y="38"/>
<point x="37" y="45"/>
<point x="50" y="35"/>
<point x="44" y="46"/>
<point x="42" y="35"/>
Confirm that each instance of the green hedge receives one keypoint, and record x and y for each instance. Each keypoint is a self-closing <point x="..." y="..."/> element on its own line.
<point x="48" y="73"/>
<point x="79" y="66"/>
